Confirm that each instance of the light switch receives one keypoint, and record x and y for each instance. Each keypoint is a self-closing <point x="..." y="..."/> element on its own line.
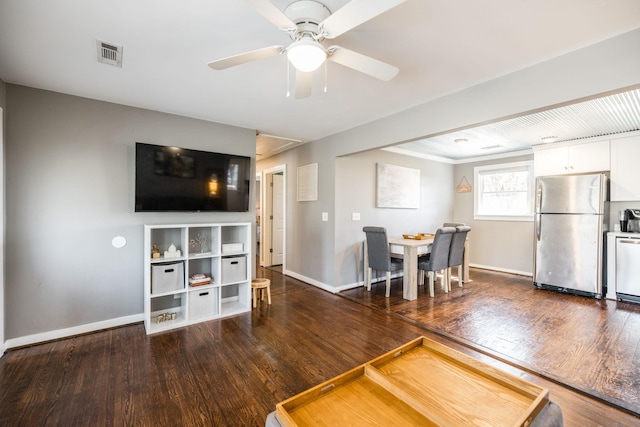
<point x="355" y="216"/>
<point x="325" y="216"/>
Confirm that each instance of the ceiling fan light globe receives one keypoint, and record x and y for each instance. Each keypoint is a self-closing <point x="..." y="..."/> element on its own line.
<point x="306" y="55"/>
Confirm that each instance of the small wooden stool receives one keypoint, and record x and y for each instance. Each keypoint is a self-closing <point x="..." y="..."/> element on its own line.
<point x="262" y="285"/>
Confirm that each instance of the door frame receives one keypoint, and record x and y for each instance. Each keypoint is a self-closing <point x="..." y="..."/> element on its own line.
<point x="259" y="209"/>
<point x="266" y="211"/>
<point x="2" y="231"/>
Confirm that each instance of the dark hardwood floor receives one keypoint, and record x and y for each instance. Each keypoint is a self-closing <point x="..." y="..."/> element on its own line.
<point x="232" y="372"/>
<point x="590" y="344"/>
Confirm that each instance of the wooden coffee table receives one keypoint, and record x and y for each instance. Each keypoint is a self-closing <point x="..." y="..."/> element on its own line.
<point x="422" y="383"/>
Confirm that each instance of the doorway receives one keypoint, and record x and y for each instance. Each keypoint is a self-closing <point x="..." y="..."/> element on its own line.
<point x="273" y="221"/>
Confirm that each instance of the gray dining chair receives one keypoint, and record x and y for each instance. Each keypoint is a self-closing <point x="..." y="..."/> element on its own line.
<point x="453" y="224"/>
<point x="438" y="258"/>
<point x="456" y="252"/>
<point x="379" y="256"/>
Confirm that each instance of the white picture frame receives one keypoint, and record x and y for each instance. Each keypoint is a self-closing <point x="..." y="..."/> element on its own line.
<point x="308" y="183"/>
<point x="397" y="187"/>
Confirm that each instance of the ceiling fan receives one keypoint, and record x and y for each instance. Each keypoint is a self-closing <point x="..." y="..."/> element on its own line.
<point x="308" y="23"/>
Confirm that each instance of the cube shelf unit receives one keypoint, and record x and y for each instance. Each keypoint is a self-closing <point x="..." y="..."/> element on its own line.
<point x="169" y="300"/>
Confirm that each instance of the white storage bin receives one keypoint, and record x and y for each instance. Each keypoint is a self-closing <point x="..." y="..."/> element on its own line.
<point x="234" y="269"/>
<point x="203" y="304"/>
<point x="231" y="248"/>
<point x="167" y="277"/>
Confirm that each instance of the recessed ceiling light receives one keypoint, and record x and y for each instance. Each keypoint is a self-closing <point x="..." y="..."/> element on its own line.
<point x="460" y="140"/>
<point x="549" y="138"/>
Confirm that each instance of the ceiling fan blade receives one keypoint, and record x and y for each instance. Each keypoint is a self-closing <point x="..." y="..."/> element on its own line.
<point x="353" y="14"/>
<point x="272" y="13"/>
<point x="364" y="64"/>
<point x="303" y="84"/>
<point x="242" y="58"/>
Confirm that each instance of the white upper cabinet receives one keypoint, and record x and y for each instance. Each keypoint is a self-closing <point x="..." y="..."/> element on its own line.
<point x="625" y="169"/>
<point x="568" y="159"/>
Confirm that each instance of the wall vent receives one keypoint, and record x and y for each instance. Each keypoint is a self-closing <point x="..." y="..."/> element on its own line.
<point x="108" y="53"/>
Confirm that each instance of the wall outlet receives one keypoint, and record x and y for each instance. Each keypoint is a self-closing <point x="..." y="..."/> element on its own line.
<point x="355" y="216"/>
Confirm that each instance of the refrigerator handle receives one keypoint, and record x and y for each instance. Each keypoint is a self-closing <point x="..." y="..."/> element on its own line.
<point x="538" y="224"/>
<point x="538" y="207"/>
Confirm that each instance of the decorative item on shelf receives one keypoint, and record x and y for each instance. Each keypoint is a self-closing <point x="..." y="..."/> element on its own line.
<point x="200" y="279"/>
<point x="172" y="252"/>
<point x="463" y="186"/>
<point x="155" y="252"/>
<point x="166" y="317"/>
<point x="199" y="241"/>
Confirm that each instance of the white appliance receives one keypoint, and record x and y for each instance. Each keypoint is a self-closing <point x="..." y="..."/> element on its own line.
<point x="571" y="216"/>
<point x="628" y="268"/>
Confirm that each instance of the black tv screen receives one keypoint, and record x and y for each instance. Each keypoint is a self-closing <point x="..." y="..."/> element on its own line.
<point x="178" y="179"/>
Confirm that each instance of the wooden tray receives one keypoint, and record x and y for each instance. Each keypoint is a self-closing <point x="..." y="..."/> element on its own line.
<point x="419" y="236"/>
<point x="422" y="383"/>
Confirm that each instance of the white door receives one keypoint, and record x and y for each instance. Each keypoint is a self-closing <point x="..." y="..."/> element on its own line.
<point x="277" y="235"/>
<point x="267" y="217"/>
<point x="273" y="224"/>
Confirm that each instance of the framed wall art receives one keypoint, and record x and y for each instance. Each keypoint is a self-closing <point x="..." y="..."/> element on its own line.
<point x="397" y="187"/>
<point x="308" y="183"/>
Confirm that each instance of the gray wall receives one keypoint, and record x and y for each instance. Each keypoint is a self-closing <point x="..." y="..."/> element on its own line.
<point x="596" y="69"/>
<point x="347" y="185"/>
<point x="309" y="241"/>
<point x="355" y="192"/>
<point x="3" y="93"/>
<point x="3" y="103"/>
<point x="505" y="245"/>
<point x="69" y="191"/>
<point x="60" y="269"/>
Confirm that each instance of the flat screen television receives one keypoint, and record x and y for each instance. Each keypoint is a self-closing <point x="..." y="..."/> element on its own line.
<point x="172" y="179"/>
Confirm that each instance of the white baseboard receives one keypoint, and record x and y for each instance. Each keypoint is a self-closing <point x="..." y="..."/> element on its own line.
<point x="502" y="270"/>
<point x="69" y="332"/>
<point x="350" y="286"/>
<point x="334" y="289"/>
<point x="311" y="281"/>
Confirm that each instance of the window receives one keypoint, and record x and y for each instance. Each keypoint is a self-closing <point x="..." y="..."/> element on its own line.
<point x="504" y="192"/>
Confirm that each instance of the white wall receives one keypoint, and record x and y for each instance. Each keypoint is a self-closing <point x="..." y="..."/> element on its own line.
<point x="69" y="191"/>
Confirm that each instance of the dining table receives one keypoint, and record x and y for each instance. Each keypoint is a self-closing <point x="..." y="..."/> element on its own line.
<point x="411" y="248"/>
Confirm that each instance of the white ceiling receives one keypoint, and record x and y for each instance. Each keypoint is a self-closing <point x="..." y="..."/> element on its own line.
<point x="440" y="47"/>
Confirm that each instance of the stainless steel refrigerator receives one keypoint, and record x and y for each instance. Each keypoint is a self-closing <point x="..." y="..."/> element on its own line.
<point x="571" y="217"/>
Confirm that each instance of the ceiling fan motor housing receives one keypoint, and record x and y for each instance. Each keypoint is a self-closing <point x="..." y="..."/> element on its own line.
<point x="307" y="15"/>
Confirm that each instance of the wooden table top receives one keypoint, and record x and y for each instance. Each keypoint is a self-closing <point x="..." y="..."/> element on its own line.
<point x="422" y="383"/>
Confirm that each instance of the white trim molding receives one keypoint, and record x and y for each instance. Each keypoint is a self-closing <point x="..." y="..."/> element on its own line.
<point x="72" y="331"/>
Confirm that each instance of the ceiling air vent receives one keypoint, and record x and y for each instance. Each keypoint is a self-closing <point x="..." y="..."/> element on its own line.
<point x="109" y="53"/>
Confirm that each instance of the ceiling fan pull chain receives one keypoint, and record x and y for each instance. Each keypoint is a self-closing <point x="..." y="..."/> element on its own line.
<point x="288" y="81"/>
<point x="325" y="77"/>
